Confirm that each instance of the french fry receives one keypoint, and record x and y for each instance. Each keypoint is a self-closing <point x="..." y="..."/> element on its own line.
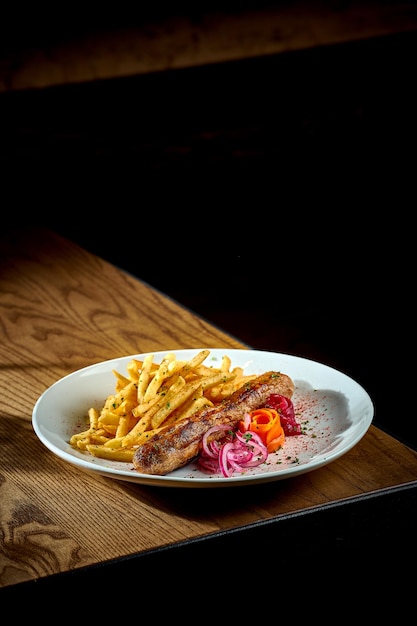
<point x="187" y="409"/>
<point x="112" y="454"/>
<point x="219" y="392"/>
<point x="165" y="398"/>
<point x="161" y="374"/>
<point x="205" y="370"/>
<point x="195" y="362"/>
<point x="151" y="397"/>
<point x="140" y="427"/>
<point x="108" y="418"/>
<point x="124" y="426"/>
<point x="145" y="436"/>
<point x="144" y="377"/>
<point x="135" y="367"/>
<point x="226" y="363"/>
<point x="121" y="381"/>
<point x="93" y="416"/>
<point x="97" y="439"/>
<point x="220" y="378"/>
<point x="125" y="396"/>
<point x="173" y="401"/>
<point x="144" y="407"/>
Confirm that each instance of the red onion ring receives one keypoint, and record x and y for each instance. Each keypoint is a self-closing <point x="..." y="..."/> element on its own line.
<point x="233" y="452"/>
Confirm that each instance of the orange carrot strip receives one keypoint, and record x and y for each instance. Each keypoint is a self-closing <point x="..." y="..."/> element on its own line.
<point x="273" y="445"/>
<point x="267" y="423"/>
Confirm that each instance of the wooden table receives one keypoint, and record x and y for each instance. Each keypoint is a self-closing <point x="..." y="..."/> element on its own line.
<point x="62" y="309"/>
<point x="39" y="52"/>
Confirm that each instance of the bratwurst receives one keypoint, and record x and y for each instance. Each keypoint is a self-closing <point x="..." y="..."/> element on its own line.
<point x="176" y="445"/>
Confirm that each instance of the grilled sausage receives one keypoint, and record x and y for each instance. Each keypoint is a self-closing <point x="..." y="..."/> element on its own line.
<point x="176" y="445"/>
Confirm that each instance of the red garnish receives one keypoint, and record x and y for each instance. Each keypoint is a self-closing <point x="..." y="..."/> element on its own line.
<point x="261" y="431"/>
<point x="285" y="408"/>
<point x="233" y="452"/>
<point x="267" y="424"/>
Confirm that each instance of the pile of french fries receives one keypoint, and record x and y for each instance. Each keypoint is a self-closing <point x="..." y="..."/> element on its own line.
<point x="152" y="396"/>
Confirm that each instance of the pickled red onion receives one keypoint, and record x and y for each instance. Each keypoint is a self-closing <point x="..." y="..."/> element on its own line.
<point x="232" y="452"/>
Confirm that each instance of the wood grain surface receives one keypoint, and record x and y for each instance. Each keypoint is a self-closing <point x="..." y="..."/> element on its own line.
<point x="41" y="51"/>
<point x="61" y="309"/>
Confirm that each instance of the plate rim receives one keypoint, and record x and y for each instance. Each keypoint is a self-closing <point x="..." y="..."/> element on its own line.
<point x="170" y="480"/>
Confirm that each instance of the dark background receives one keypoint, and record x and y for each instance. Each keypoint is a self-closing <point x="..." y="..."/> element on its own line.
<point x="273" y="196"/>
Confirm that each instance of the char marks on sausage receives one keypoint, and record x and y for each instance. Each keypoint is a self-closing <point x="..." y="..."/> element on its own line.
<point x="176" y="445"/>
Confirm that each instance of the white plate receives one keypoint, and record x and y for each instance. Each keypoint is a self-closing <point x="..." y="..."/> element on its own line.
<point x="335" y="412"/>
